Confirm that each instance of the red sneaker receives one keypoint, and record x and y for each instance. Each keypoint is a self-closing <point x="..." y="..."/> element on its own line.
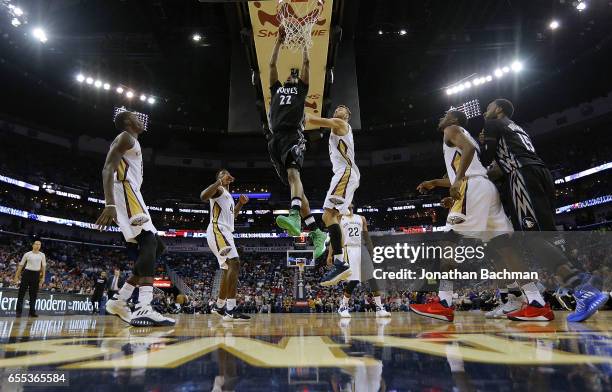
<point x="434" y="310"/>
<point x="533" y="312"/>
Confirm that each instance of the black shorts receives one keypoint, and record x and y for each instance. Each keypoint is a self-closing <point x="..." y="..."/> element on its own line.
<point x="286" y="151"/>
<point x="532" y="195"/>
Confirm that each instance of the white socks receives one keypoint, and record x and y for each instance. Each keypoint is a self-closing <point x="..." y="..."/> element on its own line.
<point x="145" y="295"/>
<point x="533" y="293"/>
<point x="378" y="301"/>
<point x="220" y="302"/>
<point x="446" y="292"/>
<point x="345" y="301"/>
<point x="231" y="303"/>
<point x="125" y="292"/>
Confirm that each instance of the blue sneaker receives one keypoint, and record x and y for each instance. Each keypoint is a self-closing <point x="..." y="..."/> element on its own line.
<point x="340" y="271"/>
<point x="588" y="301"/>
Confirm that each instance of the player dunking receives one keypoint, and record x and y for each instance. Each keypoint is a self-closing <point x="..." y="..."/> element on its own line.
<point x="220" y="238"/>
<point x="287" y="144"/>
<point x="343" y="185"/>
<point x="532" y="194"/>
<point x="355" y="233"/>
<point x="475" y="207"/>
<point x="122" y="177"/>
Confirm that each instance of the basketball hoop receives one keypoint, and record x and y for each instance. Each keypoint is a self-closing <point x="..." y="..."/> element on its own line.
<point x="297" y="18"/>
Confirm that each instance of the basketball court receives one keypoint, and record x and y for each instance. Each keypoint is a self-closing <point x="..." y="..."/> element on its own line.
<point x="313" y="351"/>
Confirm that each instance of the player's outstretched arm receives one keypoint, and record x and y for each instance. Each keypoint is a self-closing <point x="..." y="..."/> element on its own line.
<point x="274" y="58"/>
<point x="337" y="126"/>
<point x="425" y="186"/>
<point x="120" y="145"/>
<point x="216" y="188"/>
<point x="454" y="135"/>
<point x="305" y="74"/>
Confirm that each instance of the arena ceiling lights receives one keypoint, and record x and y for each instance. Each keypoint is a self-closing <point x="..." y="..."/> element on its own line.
<point x="122" y="90"/>
<point x="475" y="81"/>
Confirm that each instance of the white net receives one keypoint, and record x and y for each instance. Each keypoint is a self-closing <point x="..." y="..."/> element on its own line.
<point x="297" y="18"/>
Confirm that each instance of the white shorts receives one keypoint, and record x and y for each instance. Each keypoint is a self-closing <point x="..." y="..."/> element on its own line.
<point x="130" y="205"/>
<point x="352" y="254"/>
<point x="221" y="243"/>
<point x="479" y="212"/>
<point x="341" y="191"/>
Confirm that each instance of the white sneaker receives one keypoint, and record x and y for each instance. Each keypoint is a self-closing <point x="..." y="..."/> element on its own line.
<point x="381" y="312"/>
<point x="344" y="312"/>
<point x="119" y="308"/>
<point x="513" y="304"/>
<point x="147" y="317"/>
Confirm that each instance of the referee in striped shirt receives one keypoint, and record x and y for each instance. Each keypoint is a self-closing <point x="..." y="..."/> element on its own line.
<point x="33" y="265"/>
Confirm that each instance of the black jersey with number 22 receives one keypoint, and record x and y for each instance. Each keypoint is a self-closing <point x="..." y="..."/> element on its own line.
<point x="287" y="107"/>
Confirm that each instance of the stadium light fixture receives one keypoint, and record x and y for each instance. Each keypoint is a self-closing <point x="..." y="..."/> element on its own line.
<point x="17" y="11"/>
<point x="40" y="34"/>
<point x="196" y="37"/>
<point x="16" y="22"/>
<point x="151" y="100"/>
<point x="477" y="81"/>
<point x="403" y="32"/>
<point x="106" y="86"/>
<point x="554" y="25"/>
<point x="129" y="94"/>
<point x="98" y="83"/>
<point x="119" y="90"/>
<point x="89" y="80"/>
<point x="581" y="6"/>
<point x="143" y="97"/>
<point x="80" y="78"/>
<point x="517" y="66"/>
<point x="380" y="32"/>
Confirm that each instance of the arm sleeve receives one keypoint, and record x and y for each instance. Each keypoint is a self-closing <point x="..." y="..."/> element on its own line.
<point x="492" y="131"/>
<point x="275" y="87"/>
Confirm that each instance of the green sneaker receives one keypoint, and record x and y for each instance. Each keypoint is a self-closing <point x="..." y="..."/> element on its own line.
<point x="292" y="223"/>
<point x="318" y="238"/>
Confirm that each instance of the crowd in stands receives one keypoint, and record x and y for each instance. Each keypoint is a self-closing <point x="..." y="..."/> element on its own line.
<point x="266" y="285"/>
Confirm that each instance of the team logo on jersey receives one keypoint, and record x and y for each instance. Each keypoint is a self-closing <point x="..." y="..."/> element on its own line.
<point x="529" y="222"/>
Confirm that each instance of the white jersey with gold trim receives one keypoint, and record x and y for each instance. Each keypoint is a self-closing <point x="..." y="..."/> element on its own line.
<point x="222" y="211"/>
<point x="352" y="227"/>
<point x="130" y="205"/>
<point x="131" y="168"/>
<point x="342" y="153"/>
<point x="452" y="157"/>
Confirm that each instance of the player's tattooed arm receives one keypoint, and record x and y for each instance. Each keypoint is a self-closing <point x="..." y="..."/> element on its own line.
<point x="242" y="200"/>
<point x="305" y="74"/>
<point x="120" y="145"/>
<point x="366" y="237"/>
<point x="457" y="138"/>
<point x="337" y="125"/>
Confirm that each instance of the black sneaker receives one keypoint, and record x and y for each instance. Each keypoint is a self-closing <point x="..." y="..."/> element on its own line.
<point x="340" y="271"/>
<point x="219" y="311"/>
<point x="234" y="315"/>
